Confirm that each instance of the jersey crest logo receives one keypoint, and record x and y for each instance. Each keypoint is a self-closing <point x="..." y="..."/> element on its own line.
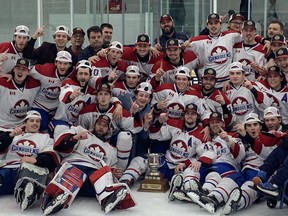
<point x="25" y="147"/>
<point x="175" y="110"/>
<point x="219" y="55"/>
<point x="178" y="149"/>
<point x="95" y="152"/>
<point x="241" y="106"/>
<point x="76" y="108"/>
<point x="51" y="93"/>
<point x="20" y="109"/>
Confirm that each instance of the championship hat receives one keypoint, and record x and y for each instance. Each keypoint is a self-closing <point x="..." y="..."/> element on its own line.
<point x="282" y="53"/>
<point x="145" y="87"/>
<point x="32" y="114"/>
<point x="209" y="72"/>
<point x="249" y="23"/>
<point x="104" y="119"/>
<point x="275" y="69"/>
<point x="143" y="39"/>
<point x="172" y="43"/>
<point x="184" y="71"/>
<point x="116" y="45"/>
<point x="278" y="38"/>
<point x="84" y="64"/>
<point x="165" y="17"/>
<point x="132" y="70"/>
<point x="62" y="29"/>
<point x="63" y="56"/>
<point x="22" y="30"/>
<point x="236" y="16"/>
<point x="236" y="66"/>
<point x="251" y="117"/>
<point x="104" y="87"/>
<point x="213" y="16"/>
<point x="23" y="62"/>
<point x="271" y="112"/>
<point x="191" y="107"/>
<point x="78" y="30"/>
<point x="216" y="116"/>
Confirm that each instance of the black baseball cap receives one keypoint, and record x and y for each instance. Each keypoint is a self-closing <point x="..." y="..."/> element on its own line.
<point x="249" y="23"/>
<point x="166" y="17"/>
<point x="78" y="30"/>
<point x="213" y="16"/>
<point x="282" y="53"/>
<point x="209" y="72"/>
<point x="191" y="107"/>
<point x="143" y="39"/>
<point x="23" y="62"/>
<point x="172" y="43"/>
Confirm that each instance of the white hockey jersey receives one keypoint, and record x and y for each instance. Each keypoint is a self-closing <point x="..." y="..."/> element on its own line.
<point x="247" y="55"/>
<point x="16" y="102"/>
<point x="91" y="152"/>
<point x="12" y="54"/>
<point x="48" y="96"/>
<point x="29" y="144"/>
<point x="216" y="53"/>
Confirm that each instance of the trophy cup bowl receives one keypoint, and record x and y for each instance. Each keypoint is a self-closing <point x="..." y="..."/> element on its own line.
<point x="154" y="180"/>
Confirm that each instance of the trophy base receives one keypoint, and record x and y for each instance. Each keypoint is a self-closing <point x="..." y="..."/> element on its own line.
<point x="151" y="185"/>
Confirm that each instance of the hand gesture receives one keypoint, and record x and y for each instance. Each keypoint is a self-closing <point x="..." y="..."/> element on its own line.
<point x="154" y="52"/>
<point x="17" y="131"/>
<point x="3" y="56"/>
<point x="163" y="117"/>
<point x="159" y="72"/>
<point x="206" y="132"/>
<point x="75" y="94"/>
<point x="162" y="104"/>
<point x="157" y="45"/>
<point x="223" y="134"/>
<point x="247" y="84"/>
<point x="39" y="32"/>
<point x="240" y="129"/>
<point x="148" y="117"/>
<point x="134" y="106"/>
<point x="113" y="75"/>
<point x="220" y="99"/>
<point x="81" y="136"/>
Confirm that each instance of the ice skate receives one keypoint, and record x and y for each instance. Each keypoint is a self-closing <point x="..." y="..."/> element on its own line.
<point x="114" y="200"/>
<point x="181" y="195"/>
<point x="232" y="203"/>
<point x="56" y="204"/>
<point x="28" y="196"/>
<point x="176" y="184"/>
<point x="208" y="203"/>
<point x="196" y="186"/>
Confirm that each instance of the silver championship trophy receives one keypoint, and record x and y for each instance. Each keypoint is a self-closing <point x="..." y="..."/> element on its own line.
<point x="154" y="180"/>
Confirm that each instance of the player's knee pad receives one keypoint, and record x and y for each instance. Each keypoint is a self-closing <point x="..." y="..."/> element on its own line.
<point x="62" y="189"/>
<point x="102" y="179"/>
<point x="249" y="195"/>
<point x="189" y="174"/>
<point x="224" y="187"/>
<point x="124" y="146"/>
<point x="136" y="168"/>
<point x="31" y="181"/>
<point x="211" y="181"/>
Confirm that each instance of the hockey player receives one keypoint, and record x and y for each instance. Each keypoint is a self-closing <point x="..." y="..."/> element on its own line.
<point x="141" y="56"/>
<point x="10" y="52"/>
<point x="172" y="98"/>
<point x="186" y="140"/>
<point x="249" y="52"/>
<point x="75" y="93"/>
<point x="91" y="160"/>
<point x="258" y="146"/>
<point x="215" y="100"/>
<point x="215" y="50"/>
<point x="51" y="77"/>
<point x="125" y="90"/>
<point x="111" y="62"/>
<point x="282" y="60"/>
<point x="17" y="95"/>
<point x="121" y="131"/>
<point x="29" y="157"/>
<point x="164" y="71"/>
<point x="243" y="94"/>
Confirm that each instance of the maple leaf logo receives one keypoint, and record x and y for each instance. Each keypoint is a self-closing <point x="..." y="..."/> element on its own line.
<point x="178" y="149"/>
<point x="95" y="152"/>
<point x="25" y="148"/>
<point x="52" y="93"/>
<point x="219" y="55"/>
<point x="20" y="109"/>
<point x="175" y="110"/>
<point x="241" y="106"/>
<point x="76" y="108"/>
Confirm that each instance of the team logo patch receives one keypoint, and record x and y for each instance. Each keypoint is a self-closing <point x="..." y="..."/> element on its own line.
<point x="51" y="93"/>
<point x="76" y="108"/>
<point x="20" y="109"/>
<point x="219" y="55"/>
<point x="95" y="152"/>
<point x="175" y="110"/>
<point x="25" y="148"/>
<point x="241" y="106"/>
<point x="178" y="149"/>
<point x="246" y="66"/>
